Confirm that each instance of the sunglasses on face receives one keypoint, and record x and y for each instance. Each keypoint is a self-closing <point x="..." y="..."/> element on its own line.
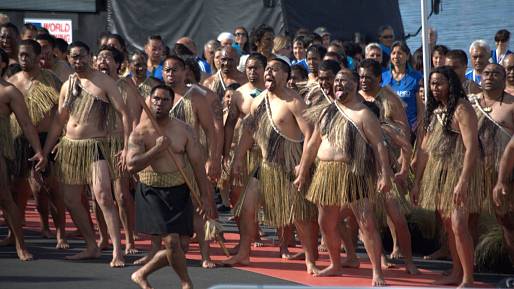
<point x="240" y="34"/>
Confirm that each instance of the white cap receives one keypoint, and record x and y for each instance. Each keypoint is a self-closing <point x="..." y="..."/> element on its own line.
<point x="225" y="35"/>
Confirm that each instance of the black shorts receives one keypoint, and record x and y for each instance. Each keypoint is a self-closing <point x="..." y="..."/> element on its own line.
<point x="162" y="211"/>
<point x="21" y="165"/>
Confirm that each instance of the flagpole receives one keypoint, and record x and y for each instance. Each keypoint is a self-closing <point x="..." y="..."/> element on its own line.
<point x="427" y="53"/>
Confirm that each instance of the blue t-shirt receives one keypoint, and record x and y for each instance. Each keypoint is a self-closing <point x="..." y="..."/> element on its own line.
<point x="472" y="76"/>
<point x="385" y="49"/>
<point x="495" y="58"/>
<point x="156" y="73"/>
<point x="301" y="62"/>
<point x="204" y="65"/>
<point x="406" y="88"/>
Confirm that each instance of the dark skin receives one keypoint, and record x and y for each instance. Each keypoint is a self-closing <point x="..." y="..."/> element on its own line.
<point x="11" y="101"/>
<point x="147" y="148"/>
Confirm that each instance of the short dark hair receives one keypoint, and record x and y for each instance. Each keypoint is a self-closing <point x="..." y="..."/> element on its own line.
<point x="330" y="65"/>
<point x="116" y="54"/>
<point x="320" y="50"/>
<point x="138" y="53"/>
<point x="43" y="30"/>
<point x="182" y="50"/>
<point x="334" y="55"/>
<point x="193" y="65"/>
<point x="382" y="28"/>
<point x="258" y="33"/>
<point x="78" y="44"/>
<point x="154" y="37"/>
<point x="176" y="58"/>
<point x="285" y="66"/>
<point x="48" y="38"/>
<point x="502" y="35"/>
<point x="300" y="68"/>
<point x="119" y="39"/>
<point x="258" y="57"/>
<point x="164" y="87"/>
<point x="28" y="26"/>
<point x="32" y="43"/>
<point x="61" y="44"/>
<point x="459" y="55"/>
<point x="10" y="25"/>
<point x="300" y="39"/>
<point x="442" y="49"/>
<point x="403" y="46"/>
<point x="371" y="64"/>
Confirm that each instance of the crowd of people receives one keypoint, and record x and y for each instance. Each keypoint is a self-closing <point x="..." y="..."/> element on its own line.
<point x="332" y="139"/>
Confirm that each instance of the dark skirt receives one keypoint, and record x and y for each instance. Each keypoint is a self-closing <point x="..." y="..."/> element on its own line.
<point x="162" y="211"/>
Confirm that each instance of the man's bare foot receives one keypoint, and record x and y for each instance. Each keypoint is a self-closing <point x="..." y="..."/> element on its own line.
<point x="208" y="264"/>
<point x="330" y="271"/>
<point x="46" y="234"/>
<point x="130" y="249"/>
<point x="144" y="260"/>
<point x="452" y="279"/>
<point x="87" y="254"/>
<point x="395" y="254"/>
<point x="378" y="281"/>
<point x="322" y="248"/>
<point x="186" y="285"/>
<point x="236" y="261"/>
<point x="441" y="254"/>
<point x="297" y="256"/>
<point x="386" y="264"/>
<point x="140" y="280"/>
<point x="117" y="260"/>
<point x="8" y="241"/>
<point x="351" y="263"/>
<point x="103" y="244"/>
<point x="411" y="268"/>
<point x="24" y="255"/>
<point x="62" y="244"/>
<point x="284" y="253"/>
<point x="312" y="269"/>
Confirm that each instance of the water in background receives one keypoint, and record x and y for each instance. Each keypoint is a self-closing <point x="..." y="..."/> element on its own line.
<point x="461" y="21"/>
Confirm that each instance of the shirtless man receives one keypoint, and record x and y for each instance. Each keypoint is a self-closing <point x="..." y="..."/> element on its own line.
<point x="189" y="106"/>
<point x="495" y="110"/>
<point x="395" y="125"/>
<point x="87" y="111"/>
<point x="508" y="63"/>
<point x="281" y="138"/>
<point x="40" y="88"/>
<point x="11" y="100"/>
<point x="9" y="38"/>
<point x="137" y="68"/>
<point x="344" y="163"/>
<point x="48" y="59"/>
<point x="227" y="74"/>
<point x="239" y="107"/>
<point x="162" y="185"/>
<point x="109" y="61"/>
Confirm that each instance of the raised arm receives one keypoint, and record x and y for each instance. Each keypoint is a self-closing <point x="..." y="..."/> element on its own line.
<point x="18" y="106"/>
<point x="138" y="157"/>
